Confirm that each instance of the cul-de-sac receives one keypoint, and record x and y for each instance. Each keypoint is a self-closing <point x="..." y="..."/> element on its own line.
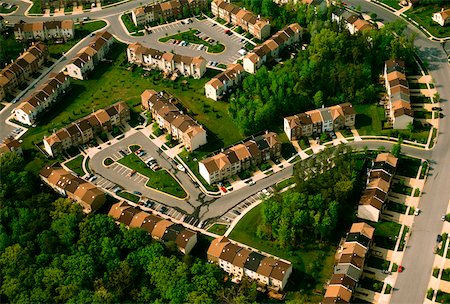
<point x="225" y="151"/>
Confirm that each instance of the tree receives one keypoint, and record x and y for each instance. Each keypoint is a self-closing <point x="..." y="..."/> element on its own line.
<point x="396" y="149"/>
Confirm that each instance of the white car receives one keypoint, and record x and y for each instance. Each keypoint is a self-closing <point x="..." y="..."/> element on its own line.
<point x="417" y="212"/>
<point x="181" y="167"/>
<point x="242" y="52"/>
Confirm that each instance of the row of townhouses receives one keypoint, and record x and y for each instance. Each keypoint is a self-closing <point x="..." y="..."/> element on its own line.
<point x="319" y="121"/>
<point x="399" y="106"/>
<point x="85" y="129"/>
<point x="88" y="57"/>
<point x="241" y="262"/>
<point x="379" y="181"/>
<point x="272" y="47"/>
<point x="240" y="157"/>
<point x="48" y="30"/>
<point x="165" y="10"/>
<point x="181" y="126"/>
<point x="57" y="4"/>
<point x="10" y="144"/>
<point x="224" y="82"/>
<point x="167" y="62"/>
<point x="248" y="21"/>
<point x="17" y="72"/>
<point x="353" y="22"/>
<point x="65" y="183"/>
<point x="442" y="17"/>
<point x="157" y="227"/>
<point x="50" y="92"/>
<point x="350" y="264"/>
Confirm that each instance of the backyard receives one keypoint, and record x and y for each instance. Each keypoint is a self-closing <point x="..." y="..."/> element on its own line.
<point x="386" y="233"/>
<point x="319" y="257"/>
<point x="423" y="14"/>
<point x="190" y="36"/>
<point x="76" y="165"/>
<point x="160" y="180"/>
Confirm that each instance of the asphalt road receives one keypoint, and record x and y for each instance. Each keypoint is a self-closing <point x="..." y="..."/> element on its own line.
<point x="418" y="260"/>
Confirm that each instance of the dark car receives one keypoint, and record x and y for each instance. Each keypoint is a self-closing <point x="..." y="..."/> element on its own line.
<point x="436" y="108"/>
<point x="163" y="210"/>
<point x="439" y="238"/>
<point x="137" y="193"/>
<point x="236" y="212"/>
<point x="149" y="204"/>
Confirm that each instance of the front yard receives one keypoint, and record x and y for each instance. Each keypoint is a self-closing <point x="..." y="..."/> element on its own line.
<point x="386" y="233"/>
<point x="76" y="165"/>
<point x="423" y="14"/>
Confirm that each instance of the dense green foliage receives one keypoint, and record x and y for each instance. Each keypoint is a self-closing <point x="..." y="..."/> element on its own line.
<point x="318" y="205"/>
<point x="336" y="67"/>
<point x="52" y="253"/>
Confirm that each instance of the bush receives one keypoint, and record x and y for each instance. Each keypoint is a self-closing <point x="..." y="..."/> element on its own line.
<point x="430" y="293"/>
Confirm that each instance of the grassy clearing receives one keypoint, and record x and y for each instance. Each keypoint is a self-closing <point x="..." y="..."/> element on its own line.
<point x="219" y="229"/>
<point x="245" y="232"/>
<point x="160" y="180"/>
<point x="129" y="196"/>
<point x="76" y="165"/>
<point x="423" y="14"/>
<point x="189" y="36"/>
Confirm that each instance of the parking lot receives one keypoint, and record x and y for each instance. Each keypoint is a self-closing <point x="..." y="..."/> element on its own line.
<point x="207" y="27"/>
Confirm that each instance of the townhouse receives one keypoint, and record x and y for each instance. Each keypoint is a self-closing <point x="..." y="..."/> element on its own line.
<point x="181" y="126"/>
<point x="352" y="22"/>
<point x="169" y="63"/>
<point x="443" y="17"/>
<point x="239" y="262"/>
<point x="400" y="114"/>
<point x="379" y="180"/>
<point x="320" y="120"/>
<point x="17" y="72"/>
<point x="85" y="129"/>
<point x="240" y="157"/>
<point x="88" y="57"/>
<point x="10" y="144"/>
<point x="59" y="4"/>
<point x="159" y="228"/>
<point x="48" y="94"/>
<point x="272" y="47"/>
<point x="49" y="30"/>
<point x="223" y="83"/>
<point x="248" y="21"/>
<point x="349" y="264"/>
<point x="65" y="183"/>
<point x="165" y="10"/>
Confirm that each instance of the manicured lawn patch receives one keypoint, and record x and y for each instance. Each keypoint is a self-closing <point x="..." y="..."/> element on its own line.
<point x="401" y="246"/>
<point x="219" y="229"/>
<point x="4" y="10"/>
<point x="191" y="160"/>
<point x="442" y="297"/>
<point x="408" y="166"/>
<point x="36" y="8"/>
<point x="129" y="196"/>
<point x="388" y="289"/>
<point x="423" y="114"/>
<point x="423" y="14"/>
<point x="445" y="274"/>
<point x="76" y="165"/>
<point x="160" y="180"/>
<point x="386" y="233"/>
<point x="285" y="183"/>
<point x="420" y="99"/>
<point x="10" y="49"/>
<point x="435" y="272"/>
<point x="378" y="263"/>
<point x="392" y="3"/>
<point x="433" y="137"/>
<point x="430" y="293"/>
<point x="371" y="284"/>
<point x="108" y="161"/>
<point x="134" y="148"/>
<point x="396" y="207"/>
<point x="440" y="250"/>
<point x="189" y="36"/>
<point x="401" y="188"/>
<point x="126" y="19"/>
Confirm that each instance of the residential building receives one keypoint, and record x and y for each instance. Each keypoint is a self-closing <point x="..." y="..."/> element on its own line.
<point x="169" y="63"/>
<point x="239" y="262"/>
<point x="248" y="21"/>
<point x="84" y="130"/>
<point x="398" y="106"/>
<point x="240" y="157"/>
<point x="320" y="120"/>
<point x="10" y="144"/>
<point x="224" y="82"/>
<point x="17" y="72"/>
<point x="181" y="126"/>
<point x="157" y="227"/>
<point x="86" y="194"/>
<point x="378" y="183"/>
<point x="352" y="22"/>
<point x="165" y="10"/>
<point x="49" y="30"/>
<point x="88" y="57"/>
<point x="272" y="47"/>
<point x="44" y="97"/>
<point x="442" y="18"/>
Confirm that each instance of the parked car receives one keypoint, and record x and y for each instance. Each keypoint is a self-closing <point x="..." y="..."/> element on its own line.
<point x="236" y="212"/>
<point x="181" y="167"/>
<point x="417" y="211"/>
<point x="137" y="193"/>
<point x="251" y="183"/>
<point x="163" y="210"/>
<point x="227" y="31"/>
<point x="117" y="189"/>
<point x="436" y="108"/>
<point x="149" y="204"/>
<point x="439" y="238"/>
<point x="443" y="218"/>
<point x="133" y="172"/>
<point x="213" y="24"/>
<point x="242" y="52"/>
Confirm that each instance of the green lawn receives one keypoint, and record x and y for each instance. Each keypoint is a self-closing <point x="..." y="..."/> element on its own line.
<point x="385" y="233"/>
<point x="76" y="165"/>
<point x="378" y="263"/>
<point x="3" y="10"/>
<point x="245" y="232"/>
<point x="396" y="207"/>
<point x="191" y="160"/>
<point x="10" y="49"/>
<point x="285" y="183"/>
<point x="219" y="229"/>
<point x="423" y="14"/>
<point x="392" y="3"/>
<point x="36" y="8"/>
<point x="190" y="37"/>
<point x="371" y="284"/>
<point x="128" y="22"/>
<point x="401" y="188"/>
<point x="129" y="196"/>
<point x="408" y="166"/>
<point x="160" y="180"/>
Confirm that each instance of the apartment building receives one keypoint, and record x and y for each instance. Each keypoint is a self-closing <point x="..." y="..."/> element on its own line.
<point x="17" y="72"/>
<point x="181" y="126"/>
<point x="379" y="181"/>
<point x="169" y="63"/>
<point x="353" y="22"/>
<point x="224" y="82"/>
<point x="65" y="183"/>
<point x="48" y="94"/>
<point x="272" y="47"/>
<point x="239" y="262"/>
<point x="398" y="105"/>
<point x="88" y="57"/>
<point x="10" y="144"/>
<point x="157" y="227"/>
<point x="49" y="30"/>
<point x="240" y="157"/>
<point x="248" y="21"/>
<point x="84" y="130"/>
<point x="350" y="263"/>
<point x="320" y="120"/>
<point x="165" y="10"/>
<point x="443" y="17"/>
